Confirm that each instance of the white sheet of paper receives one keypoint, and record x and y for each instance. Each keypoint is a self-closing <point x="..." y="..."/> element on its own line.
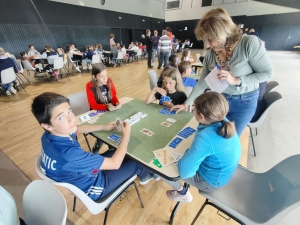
<point x="214" y="83"/>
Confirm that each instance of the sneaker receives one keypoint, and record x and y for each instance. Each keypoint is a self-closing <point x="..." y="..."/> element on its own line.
<point x="149" y="177"/>
<point x="12" y="90"/>
<point x="90" y="67"/>
<point x="84" y="67"/>
<point x="77" y="68"/>
<point x="175" y="196"/>
<point x="8" y="93"/>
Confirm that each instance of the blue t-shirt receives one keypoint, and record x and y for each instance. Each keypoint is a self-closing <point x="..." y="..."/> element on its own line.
<point x="63" y="160"/>
<point x="189" y="82"/>
<point x="215" y="158"/>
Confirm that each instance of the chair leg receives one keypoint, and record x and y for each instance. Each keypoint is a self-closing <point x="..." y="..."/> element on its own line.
<point x="74" y="203"/>
<point x="256" y="131"/>
<point x="22" y="86"/>
<point x="174" y="212"/>
<point x="138" y="193"/>
<point x="254" y="152"/>
<point x="87" y="141"/>
<point x="199" y="212"/>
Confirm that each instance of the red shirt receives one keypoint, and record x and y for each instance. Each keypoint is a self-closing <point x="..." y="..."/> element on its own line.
<point x="170" y="35"/>
<point x="92" y="100"/>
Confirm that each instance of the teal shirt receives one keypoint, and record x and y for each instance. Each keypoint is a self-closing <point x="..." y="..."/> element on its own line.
<point x="215" y="158"/>
<point x="249" y="62"/>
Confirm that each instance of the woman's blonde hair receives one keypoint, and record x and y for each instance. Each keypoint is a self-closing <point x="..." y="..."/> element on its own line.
<point x="214" y="107"/>
<point x="217" y="25"/>
<point x="96" y="69"/>
<point x="174" y="74"/>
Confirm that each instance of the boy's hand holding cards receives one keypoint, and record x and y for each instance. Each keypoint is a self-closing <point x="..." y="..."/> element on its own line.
<point x="119" y="124"/>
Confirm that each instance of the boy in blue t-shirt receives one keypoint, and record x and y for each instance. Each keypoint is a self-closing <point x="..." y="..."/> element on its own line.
<point x="63" y="160"/>
<point x="185" y="69"/>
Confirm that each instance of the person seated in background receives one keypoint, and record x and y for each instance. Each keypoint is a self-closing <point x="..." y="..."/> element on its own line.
<point x="114" y="51"/>
<point x="101" y="94"/>
<point x="143" y="48"/>
<point x="5" y="63"/>
<point x="130" y="45"/>
<point x="215" y="152"/>
<point x="49" y="54"/>
<point x="28" y="58"/>
<point x="123" y="49"/>
<point x="172" y="87"/>
<point x="185" y="69"/>
<point x="173" y="63"/>
<point x="36" y="54"/>
<point x="100" y="50"/>
<point x="252" y="32"/>
<point x="89" y="56"/>
<point x="96" y="175"/>
<point x="74" y="58"/>
<point x="186" y="56"/>
<point x="61" y="53"/>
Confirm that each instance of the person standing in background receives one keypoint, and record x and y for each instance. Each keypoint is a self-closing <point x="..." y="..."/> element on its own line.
<point x="149" y="44"/>
<point x="169" y="33"/>
<point x="155" y="40"/>
<point x="111" y="40"/>
<point x="164" y="49"/>
<point x="252" y="32"/>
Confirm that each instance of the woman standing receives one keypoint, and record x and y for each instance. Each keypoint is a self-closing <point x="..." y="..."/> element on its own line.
<point x="243" y="62"/>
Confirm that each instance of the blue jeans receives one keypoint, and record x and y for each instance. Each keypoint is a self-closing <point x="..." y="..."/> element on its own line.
<point x="163" y="57"/>
<point x="241" y="109"/>
<point x="154" y="51"/>
<point x="114" y="178"/>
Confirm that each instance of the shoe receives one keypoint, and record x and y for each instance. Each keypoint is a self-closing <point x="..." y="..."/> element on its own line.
<point x="149" y="177"/>
<point x="12" y="90"/>
<point x="8" y="93"/>
<point x="77" y="68"/>
<point x="150" y="67"/>
<point x="84" y="67"/>
<point x="115" y="65"/>
<point x="175" y="196"/>
<point x="90" y="67"/>
<point x="158" y="68"/>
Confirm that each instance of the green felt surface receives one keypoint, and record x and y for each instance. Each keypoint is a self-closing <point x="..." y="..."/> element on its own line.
<point x="195" y="76"/>
<point x="142" y="146"/>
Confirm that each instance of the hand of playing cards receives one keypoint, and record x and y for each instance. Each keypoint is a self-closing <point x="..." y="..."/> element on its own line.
<point x="164" y="99"/>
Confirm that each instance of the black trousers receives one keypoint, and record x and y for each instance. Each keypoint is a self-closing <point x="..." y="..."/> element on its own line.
<point x="149" y="57"/>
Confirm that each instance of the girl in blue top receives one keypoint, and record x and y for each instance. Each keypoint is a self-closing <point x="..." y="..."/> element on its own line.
<point x="215" y="151"/>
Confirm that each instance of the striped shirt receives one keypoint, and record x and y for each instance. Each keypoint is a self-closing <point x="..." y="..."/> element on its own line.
<point x="164" y="44"/>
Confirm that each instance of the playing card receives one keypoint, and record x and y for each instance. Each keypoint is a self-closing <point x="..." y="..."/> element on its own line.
<point x="147" y="132"/>
<point x="119" y="124"/>
<point x="177" y="140"/>
<point x="92" y="114"/>
<point x="165" y="124"/>
<point x="171" y="120"/>
<point x="119" y="142"/>
<point x="113" y="137"/>
<point x="172" y="113"/>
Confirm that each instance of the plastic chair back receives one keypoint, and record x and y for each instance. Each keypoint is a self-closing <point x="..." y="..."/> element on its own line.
<point x="20" y="67"/>
<point x="8" y="75"/>
<point x="51" y="58"/>
<point x="270" y="99"/>
<point x="261" y="198"/>
<point x="58" y="63"/>
<point x="191" y="45"/>
<point x="79" y="103"/>
<point x="96" y="59"/>
<point x="120" y="55"/>
<point x="27" y="65"/>
<point x="152" y="78"/>
<point x="139" y="52"/>
<point x="44" y="204"/>
<point x="271" y="85"/>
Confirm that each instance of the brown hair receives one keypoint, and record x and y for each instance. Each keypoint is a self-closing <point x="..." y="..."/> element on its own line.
<point x="147" y="31"/>
<point x="214" y="107"/>
<point x="99" y="46"/>
<point x="217" y="25"/>
<point x="183" y="66"/>
<point x="48" y="47"/>
<point x="168" y="29"/>
<point x="173" y="73"/>
<point x="96" y="69"/>
<point x="111" y="35"/>
<point x="185" y="52"/>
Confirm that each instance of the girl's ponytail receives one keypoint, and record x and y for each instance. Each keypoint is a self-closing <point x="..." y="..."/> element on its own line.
<point x="227" y="130"/>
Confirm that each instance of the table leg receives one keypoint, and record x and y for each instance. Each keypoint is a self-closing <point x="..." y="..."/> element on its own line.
<point x="174" y="212"/>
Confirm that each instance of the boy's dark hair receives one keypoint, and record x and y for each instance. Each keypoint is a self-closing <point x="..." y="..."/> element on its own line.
<point x="30" y="46"/>
<point x="43" y="105"/>
<point x="172" y="58"/>
<point x="22" y="54"/>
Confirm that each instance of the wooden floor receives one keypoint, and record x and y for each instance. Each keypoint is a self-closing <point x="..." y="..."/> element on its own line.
<point x="20" y="141"/>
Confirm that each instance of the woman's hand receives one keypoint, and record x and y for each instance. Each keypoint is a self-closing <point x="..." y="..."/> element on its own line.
<point x="225" y="75"/>
<point x="161" y="91"/>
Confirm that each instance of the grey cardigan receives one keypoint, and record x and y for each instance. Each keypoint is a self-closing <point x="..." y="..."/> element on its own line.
<point x="249" y="62"/>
